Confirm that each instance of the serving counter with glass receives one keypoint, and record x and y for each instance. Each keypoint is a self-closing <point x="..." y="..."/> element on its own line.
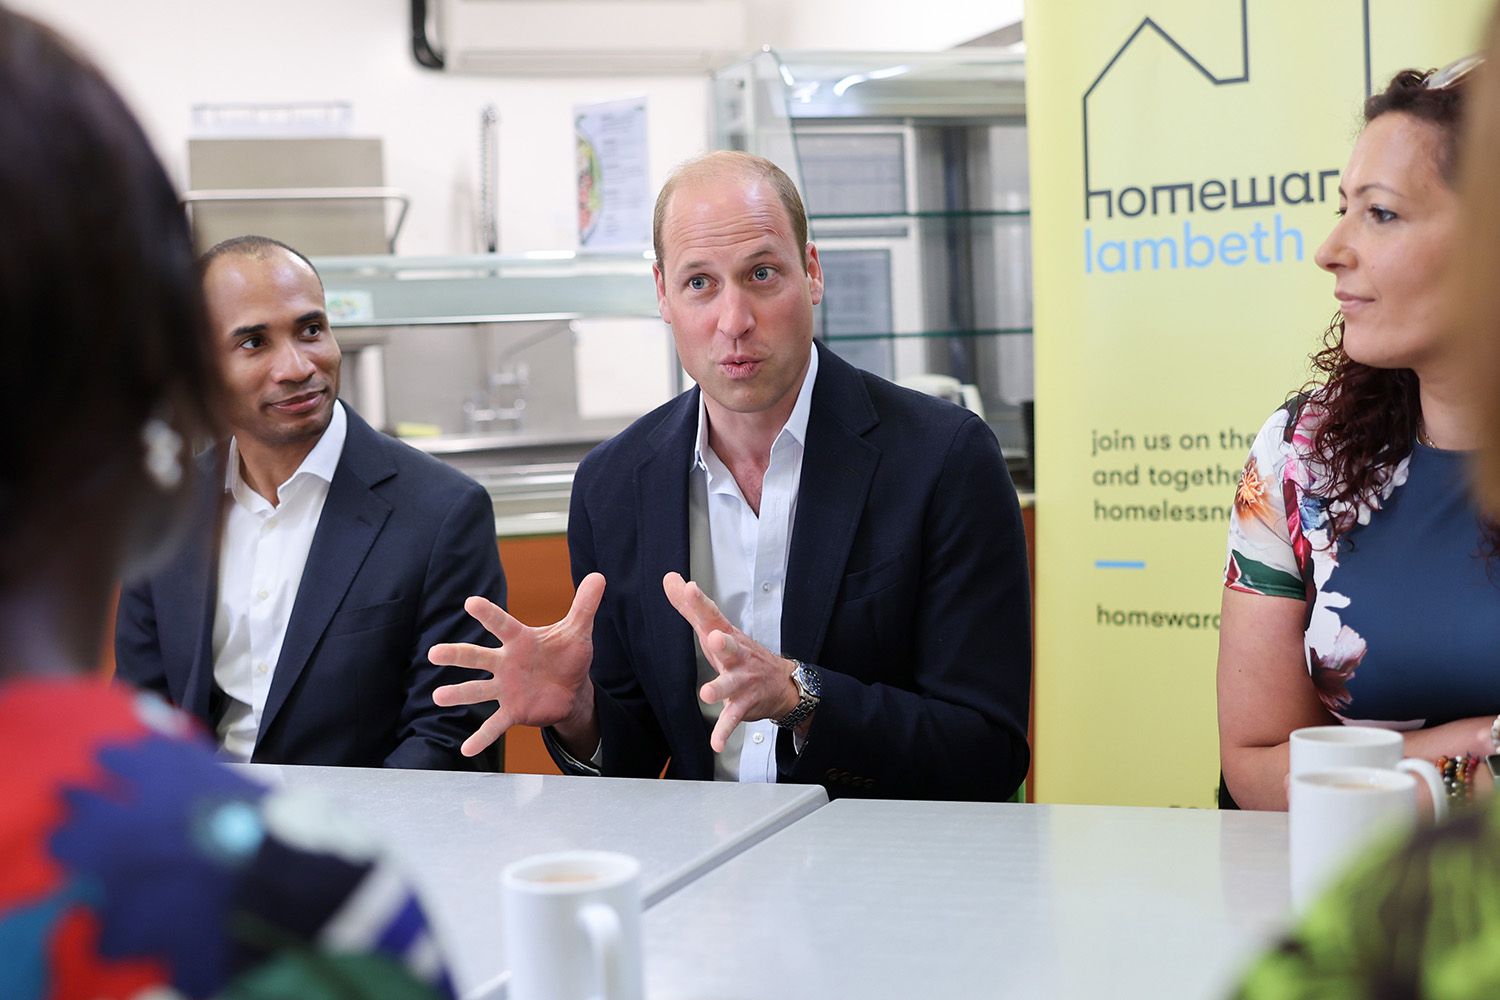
<point x="509" y="367"/>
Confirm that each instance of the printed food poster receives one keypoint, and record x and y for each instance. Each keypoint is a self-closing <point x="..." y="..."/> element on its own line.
<point x="614" y="194"/>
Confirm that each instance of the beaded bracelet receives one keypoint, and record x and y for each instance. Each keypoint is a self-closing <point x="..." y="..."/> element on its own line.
<point x="1458" y="775"/>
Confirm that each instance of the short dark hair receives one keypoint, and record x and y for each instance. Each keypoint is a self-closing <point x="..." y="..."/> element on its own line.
<point x="726" y="161"/>
<point x="251" y="246"/>
<point x="101" y="319"/>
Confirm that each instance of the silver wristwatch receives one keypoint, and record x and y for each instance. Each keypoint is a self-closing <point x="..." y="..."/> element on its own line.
<point x="809" y="693"/>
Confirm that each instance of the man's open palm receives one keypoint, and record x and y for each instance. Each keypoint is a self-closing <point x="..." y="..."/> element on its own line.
<point x="538" y="675"/>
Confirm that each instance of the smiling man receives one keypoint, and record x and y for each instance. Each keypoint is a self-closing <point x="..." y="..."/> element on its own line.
<point x="299" y="633"/>
<point x="858" y="614"/>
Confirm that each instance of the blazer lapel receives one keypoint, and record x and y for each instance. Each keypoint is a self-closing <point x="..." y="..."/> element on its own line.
<point x="838" y="467"/>
<point x="661" y="487"/>
<point x="351" y="520"/>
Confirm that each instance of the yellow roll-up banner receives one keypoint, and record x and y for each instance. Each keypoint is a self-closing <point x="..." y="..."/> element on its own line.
<point x="1185" y="161"/>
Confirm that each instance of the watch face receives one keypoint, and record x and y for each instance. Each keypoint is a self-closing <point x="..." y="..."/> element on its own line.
<point x="1493" y="760"/>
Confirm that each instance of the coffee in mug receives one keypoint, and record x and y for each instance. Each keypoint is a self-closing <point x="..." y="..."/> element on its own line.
<point x="572" y="878"/>
<point x="573" y="926"/>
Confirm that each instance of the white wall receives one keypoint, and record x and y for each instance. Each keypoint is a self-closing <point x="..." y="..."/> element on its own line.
<point x="166" y="55"/>
<point x="919" y="25"/>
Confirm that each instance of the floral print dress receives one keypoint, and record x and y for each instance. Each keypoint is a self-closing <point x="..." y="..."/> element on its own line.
<point x="1403" y="613"/>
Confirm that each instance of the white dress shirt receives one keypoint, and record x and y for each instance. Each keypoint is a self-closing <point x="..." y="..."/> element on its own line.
<point x="739" y="559"/>
<point x="261" y="558"/>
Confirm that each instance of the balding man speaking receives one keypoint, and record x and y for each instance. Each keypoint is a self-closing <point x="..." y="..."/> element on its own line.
<point x="858" y="614"/>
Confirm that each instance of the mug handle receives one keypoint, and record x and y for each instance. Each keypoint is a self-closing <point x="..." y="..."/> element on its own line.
<point x="601" y="924"/>
<point x="1429" y="773"/>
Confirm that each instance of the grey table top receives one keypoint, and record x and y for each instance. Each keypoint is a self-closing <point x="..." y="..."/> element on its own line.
<point x="453" y="833"/>
<point x="907" y="899"/>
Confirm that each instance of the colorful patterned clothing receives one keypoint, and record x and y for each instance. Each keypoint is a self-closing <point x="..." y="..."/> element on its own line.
<point x="1404" y="613"/>
<point x="1419" y="921"/>
<point x="134" y="865"/>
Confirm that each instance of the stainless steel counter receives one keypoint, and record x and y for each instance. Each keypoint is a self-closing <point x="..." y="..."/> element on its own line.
<point x="529" y="499"/>
<point x="467" y="451"/>
<point x="529" y="476"/>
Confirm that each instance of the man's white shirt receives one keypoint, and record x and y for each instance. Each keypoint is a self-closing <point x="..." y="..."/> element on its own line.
<point x="740" y="559"/>
<point x="261" y="558"/>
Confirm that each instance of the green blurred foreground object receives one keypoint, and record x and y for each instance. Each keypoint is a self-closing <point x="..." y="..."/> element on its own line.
<point x="1416" y="917"/>
<point x="309" y="975"/>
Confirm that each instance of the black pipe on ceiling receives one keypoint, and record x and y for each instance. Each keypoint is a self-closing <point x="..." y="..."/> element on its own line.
<point x="421" y="46"/>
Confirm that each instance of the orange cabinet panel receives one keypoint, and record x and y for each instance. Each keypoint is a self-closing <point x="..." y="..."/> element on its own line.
<point x="539" y="591"/>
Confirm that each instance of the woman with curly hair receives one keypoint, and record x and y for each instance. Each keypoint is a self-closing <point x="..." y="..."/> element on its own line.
<point x="1418" y="916"/>
<point x="1359" y="587"/>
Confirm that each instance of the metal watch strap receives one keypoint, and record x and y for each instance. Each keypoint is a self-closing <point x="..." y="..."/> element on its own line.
<point x="809" y="692"/>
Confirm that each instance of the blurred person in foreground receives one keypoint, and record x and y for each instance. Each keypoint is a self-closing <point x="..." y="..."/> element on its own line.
<point x="1356" y="589"/>
<point x="1419" y="916"/>
<point x="131" y="863"/>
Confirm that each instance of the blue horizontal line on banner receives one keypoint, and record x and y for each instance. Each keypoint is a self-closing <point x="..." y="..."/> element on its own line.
<point x="1119" y="564"/>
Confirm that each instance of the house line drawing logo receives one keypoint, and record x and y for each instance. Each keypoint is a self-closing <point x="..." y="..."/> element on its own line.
<point x="1295" y="187"/>
<point x="1268" y="239"/>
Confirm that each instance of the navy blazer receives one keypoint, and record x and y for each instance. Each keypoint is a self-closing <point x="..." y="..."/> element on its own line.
<point x="402" y="540"/>
<point x="906" y="586"/>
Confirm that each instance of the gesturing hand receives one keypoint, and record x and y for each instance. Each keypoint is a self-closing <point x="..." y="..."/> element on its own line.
<point x="540" y="676"/>
<point x="753" y="682"/>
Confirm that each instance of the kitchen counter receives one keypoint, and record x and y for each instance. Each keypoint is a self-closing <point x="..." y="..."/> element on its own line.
<point x="530" y="475"/>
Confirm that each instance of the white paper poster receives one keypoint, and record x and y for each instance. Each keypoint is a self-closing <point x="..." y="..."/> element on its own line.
<point x="614" y="192"/>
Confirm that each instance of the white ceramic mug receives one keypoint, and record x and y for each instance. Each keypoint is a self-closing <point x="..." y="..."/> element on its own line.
<point x="573" y="926"/>
<point x="1317" y="748"/>
<point x="1336" y="813"/>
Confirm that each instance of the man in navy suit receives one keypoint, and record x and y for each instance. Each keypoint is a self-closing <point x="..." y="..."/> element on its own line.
<point x="858" y="615"/>
<point x="295" y="621"/>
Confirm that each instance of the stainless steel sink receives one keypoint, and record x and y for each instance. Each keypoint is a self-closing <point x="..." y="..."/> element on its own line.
<point x="529" y="499"/>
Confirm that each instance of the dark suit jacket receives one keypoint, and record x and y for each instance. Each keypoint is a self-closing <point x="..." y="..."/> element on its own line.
<point x="906" y="586"/>
<point x="402" y="540"/>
